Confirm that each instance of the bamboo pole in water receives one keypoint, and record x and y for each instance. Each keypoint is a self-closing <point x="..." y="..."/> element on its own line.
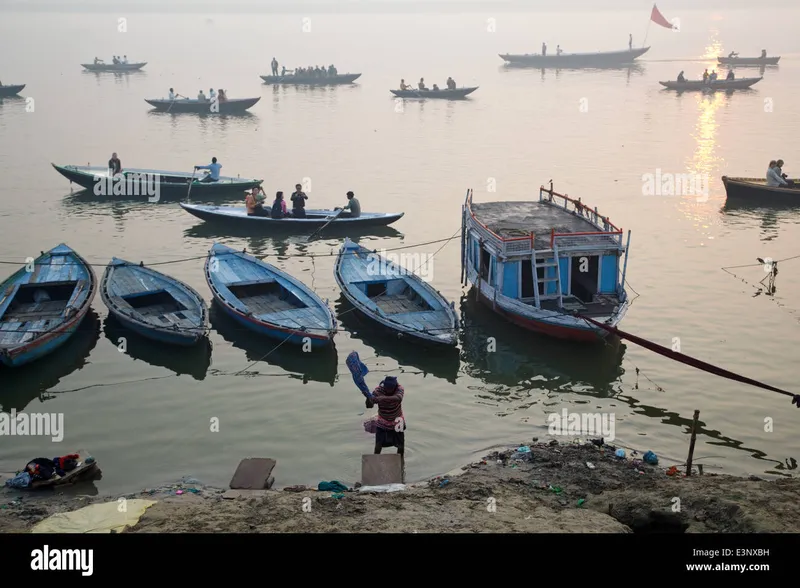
<point x="691" y="443"/>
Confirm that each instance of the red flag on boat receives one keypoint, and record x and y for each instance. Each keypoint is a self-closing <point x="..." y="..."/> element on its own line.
<point x="659" y="19"/>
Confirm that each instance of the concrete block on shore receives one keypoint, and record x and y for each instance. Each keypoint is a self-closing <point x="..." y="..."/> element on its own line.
<point x="377" y="470"/>
<point x="253" y="473"/>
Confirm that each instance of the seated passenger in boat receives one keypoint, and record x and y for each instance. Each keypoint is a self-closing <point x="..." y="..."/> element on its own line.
<point x="763" y="54"/>
<point x="211" y="94"/>
<point x="705" y="76"/>
<point x="213" y="167"/>
<point x="283" y="71"/>
<point x="713" y="76"/>
<point x="451" y="84"/>
<point x="253" y="203"/>
<point x="353" y="207"/>
<point x="171" y="94"/>
<point x="730" y="75"/>
<point x="125" y="60"/>
<point x="299" y="202"/>
<point x="435" y="88"/>
<point x="114" y="60"/>
<point x="779" y="169"/>
<point x="221" y="95"/>
<point x="404" y="86"/>
<point x="201" y="97"/>
<point x="333" y="71"/>
<point x="773" y="179"/>
<point x="279" y="207"/>
<point x="681" y="77"/>
<point x="421" y="84"/>
<point x="96" y="61"/>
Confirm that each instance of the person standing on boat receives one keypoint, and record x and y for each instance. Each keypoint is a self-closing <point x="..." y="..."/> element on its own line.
<point x="114" y="165"/>
<point x="274" y="66"/>
<point x="544" y="49"/>
<point x="213" y="167"/>
<point x="773" y="178"/>
<point x="763" y="54"/>
<point x="299" y="202"/>
<point x="705" y="76"/>
<point x="451" y="84"/>
<point x="630" y="41"/>
<point x="391" y="423"/>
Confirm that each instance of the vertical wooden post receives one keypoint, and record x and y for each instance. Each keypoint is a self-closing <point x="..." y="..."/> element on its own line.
<point x="480" y="271"/>
<point x="691" y="443"/>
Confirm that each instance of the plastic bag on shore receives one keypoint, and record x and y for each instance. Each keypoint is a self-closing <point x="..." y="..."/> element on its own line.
<point x="383" y="488"/>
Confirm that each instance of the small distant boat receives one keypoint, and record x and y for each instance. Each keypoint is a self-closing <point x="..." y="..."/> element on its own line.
<point x="748" y="60"/>
<point x="11" y="90"/>
<point x="575" y="60"/>
<point x="150" y="184"/>
<point x="394" y="297"/>
<point x="735" y="84"/>
<point x="267" y="300"/>
<point x="153" y="304"/>
<point x="116" y="67"/>
<point x="229" y="106"/>
<point x="42" y="305"/>
<point x="545" y="265"/>
<point x="314" y="218"/>
<point x="291" y="79"/>
<point x="444" y="94"/>
<point x="755" y="191"/>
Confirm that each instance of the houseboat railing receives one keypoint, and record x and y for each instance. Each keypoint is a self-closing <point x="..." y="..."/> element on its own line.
<point x="616" y="235"/>
<point x="504" y="245"/>
<point x="580" y="209"/>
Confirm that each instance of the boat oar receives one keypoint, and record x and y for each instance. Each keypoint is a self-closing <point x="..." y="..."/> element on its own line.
<point x="191" y="181"/>
<point x="319" y="230"/>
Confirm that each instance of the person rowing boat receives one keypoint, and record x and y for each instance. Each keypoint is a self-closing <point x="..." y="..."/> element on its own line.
<point x="213" y="173"/>
<point x="404" y="86"/>
<point x="353" y="207"/>
<point x="733" y="55"/>
<point x="730" y="76"/>
<point x="681" y="77"/>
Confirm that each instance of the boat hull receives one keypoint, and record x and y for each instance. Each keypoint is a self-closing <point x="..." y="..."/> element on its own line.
<point x="456" y="94"/>
<point x="106" y="67"/>
<point x="231" y="106"/>
<point x="700" y="85"/>
<point x="168" y="186"/>
<point x="575" y="60"/>
<point x="314" y="218"/>
<point x="758" y="61"/>
<point x="336" y="80"/>
<point x="11" y="90"/>
<point x="18" y="354"/>
<point x="755" y="191"/>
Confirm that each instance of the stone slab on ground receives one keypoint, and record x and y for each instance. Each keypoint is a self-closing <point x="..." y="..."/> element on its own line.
<point x="253" y="473"/>
<point x="377" y="470"/>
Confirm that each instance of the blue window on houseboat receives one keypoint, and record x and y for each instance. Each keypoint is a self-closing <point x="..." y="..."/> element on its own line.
<point x="563" y="263"/>
<point x="608" y="274"/>
<point x="511" y="279"/>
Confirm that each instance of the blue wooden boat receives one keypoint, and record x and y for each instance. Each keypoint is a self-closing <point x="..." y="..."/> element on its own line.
<point x="266" y="300"/>
<point x="153" y="304"/>
<point x="42" y="305"/>
<point x="394" y="297"/>
<point x="544" y="265"/>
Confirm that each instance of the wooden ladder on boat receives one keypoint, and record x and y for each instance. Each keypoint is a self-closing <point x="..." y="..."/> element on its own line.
<point x="545" y="280"/>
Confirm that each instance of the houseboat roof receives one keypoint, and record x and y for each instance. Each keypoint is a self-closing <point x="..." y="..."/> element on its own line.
<point x="511" y="220"/>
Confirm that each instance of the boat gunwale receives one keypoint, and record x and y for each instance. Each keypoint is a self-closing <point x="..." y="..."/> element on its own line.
<point x="103" y="173"/>
<point x="211" y="209"/>
<point x="759" y="184"/>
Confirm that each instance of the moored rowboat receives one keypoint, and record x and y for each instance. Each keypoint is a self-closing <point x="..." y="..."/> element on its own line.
<point x="267" y="300"/>
<point x="445" y="94"/>
<point x="575" y="60"/>
<point x="294" y="80"/>
<point x="42" y="305"/>
<point x="11" y="90"/>
<point x="115" y="67"/>
<point x="748" y="60"/>
<point x="394" y="297"/>
<point x="149" y="184"/>
<point x="755" y="191"/>
<point x="229" y="106"/>
<point x="314" y="218"/>
<point x="735" y="84"/>
<point x="153" y="304"/>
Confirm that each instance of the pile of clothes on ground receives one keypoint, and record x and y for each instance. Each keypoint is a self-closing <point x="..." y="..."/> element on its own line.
<point x="42" y="469"/>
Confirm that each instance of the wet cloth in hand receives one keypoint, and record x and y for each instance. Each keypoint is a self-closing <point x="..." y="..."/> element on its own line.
<point x="359" y="370"/>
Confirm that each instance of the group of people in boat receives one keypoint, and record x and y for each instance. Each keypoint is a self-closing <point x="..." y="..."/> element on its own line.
<point x="314" y="71"/>
<point x="254" y="203"/>
<point x="450" y="83"/>
<point x="733" y="54"/>
<point x="116" y="59"/>
<point x="219" y="95"/>
<point x="775" y="176"/>
<point x="709" y="78"/>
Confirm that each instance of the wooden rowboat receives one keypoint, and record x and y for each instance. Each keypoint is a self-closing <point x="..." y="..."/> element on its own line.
<point x="229" y="106"/>
<point x="293" y="80"/>
<point x="43" y="304"/>
<point x="736" y="84"/>
<point x="755" y="191"/>
<point x="237" y="215"/>
<point x="443" y="94"/>
<point x="153" y="304"/>
<point x="150" y="184"/>
<point x="11" y="90"/>
<point x="114" y="67"/>
<point x="395" y="298"/>
<point x="267" y="300"/>
<point x="748" y="60"/>
<point x="575" y="60"/>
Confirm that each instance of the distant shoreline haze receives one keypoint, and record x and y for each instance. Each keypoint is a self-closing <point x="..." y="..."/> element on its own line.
<point x="668" y="7"/>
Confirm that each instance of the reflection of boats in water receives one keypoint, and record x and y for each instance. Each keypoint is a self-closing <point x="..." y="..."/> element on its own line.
<point x="501" y="353"/>
<point x="193" y="361"/>
<point x="22" y="385"/>
<point x="442" y="362"/>
<point x="318" y="365"/>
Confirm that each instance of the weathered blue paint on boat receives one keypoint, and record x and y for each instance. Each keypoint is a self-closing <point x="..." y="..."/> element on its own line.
<point x="42" y="305"/>
<point x="267" y="300"/>
<point x="545" y="265"/>
<point x="153" y="304"/>
<point x="394" y="297"/>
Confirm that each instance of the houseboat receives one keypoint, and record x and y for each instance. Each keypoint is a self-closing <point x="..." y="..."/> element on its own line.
<point x="545" y="265"/>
